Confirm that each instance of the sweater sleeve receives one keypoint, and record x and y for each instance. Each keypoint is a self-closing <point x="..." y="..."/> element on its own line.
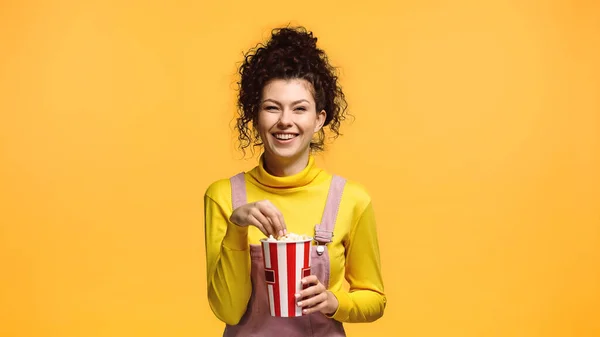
<point x="227" y="264"/>
<point x="365" y="301"/>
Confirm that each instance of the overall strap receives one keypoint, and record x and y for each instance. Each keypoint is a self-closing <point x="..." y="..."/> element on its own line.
<point x="324" y="230"/>
<point x="238" y="190"/>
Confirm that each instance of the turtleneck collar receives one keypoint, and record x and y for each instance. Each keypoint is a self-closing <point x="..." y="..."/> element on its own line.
<point x="302" y="178"/>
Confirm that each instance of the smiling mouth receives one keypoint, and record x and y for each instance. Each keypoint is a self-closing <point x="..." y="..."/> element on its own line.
<point x="285" y="136"/>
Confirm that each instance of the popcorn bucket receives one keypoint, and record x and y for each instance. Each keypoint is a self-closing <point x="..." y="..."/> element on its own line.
<point x="286" y="263"/>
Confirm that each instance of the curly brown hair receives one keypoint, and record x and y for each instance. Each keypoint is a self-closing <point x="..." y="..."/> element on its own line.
<point x="291" y="53"/>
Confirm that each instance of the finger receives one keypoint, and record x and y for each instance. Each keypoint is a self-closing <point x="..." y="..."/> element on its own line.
<point x="265" y="223"/>
<point x="315" y="288"/>
<point x="313" y="301"/>
<point x="310" y="291"/>
<point x="256" y="223"/>
<point x="260" y="211"/>
<point x="310" y="279"/>
<point x="281" y="220"/>
<point x="275" y="216"/>
<point x="271" y="212"/>
<point x="320" y="307"/>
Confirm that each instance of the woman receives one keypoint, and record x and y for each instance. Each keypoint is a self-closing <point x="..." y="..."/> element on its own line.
<point x="288" y="93"/>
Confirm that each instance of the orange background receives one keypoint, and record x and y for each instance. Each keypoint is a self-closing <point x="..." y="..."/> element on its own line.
<point x="477" y="134"/>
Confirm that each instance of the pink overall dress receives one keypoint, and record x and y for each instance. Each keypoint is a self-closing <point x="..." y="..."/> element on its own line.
<point x="257" y="321"/>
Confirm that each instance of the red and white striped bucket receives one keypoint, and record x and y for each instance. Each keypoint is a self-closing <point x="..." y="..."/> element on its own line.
<point x="286" y="263"/>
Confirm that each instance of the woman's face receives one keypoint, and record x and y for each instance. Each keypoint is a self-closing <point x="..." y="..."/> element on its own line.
<point x="287" y="119"/>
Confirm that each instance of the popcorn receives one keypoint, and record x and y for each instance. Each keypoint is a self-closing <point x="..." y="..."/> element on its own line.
<point x="289" y="237"/>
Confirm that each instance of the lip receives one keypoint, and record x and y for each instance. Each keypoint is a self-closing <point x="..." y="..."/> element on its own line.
<point x="284" y="141"/>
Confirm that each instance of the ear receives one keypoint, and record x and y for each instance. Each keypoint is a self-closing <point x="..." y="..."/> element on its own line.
<point x="320" y="120"/>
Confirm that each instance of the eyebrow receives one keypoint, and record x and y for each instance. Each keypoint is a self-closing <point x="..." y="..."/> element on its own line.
<point x="293" y="103"/>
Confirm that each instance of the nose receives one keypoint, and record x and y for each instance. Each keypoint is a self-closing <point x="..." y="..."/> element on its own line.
<point x="285" y="119"/>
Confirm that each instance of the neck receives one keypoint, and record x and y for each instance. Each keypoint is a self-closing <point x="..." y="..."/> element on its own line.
<point x="285" y="167"/>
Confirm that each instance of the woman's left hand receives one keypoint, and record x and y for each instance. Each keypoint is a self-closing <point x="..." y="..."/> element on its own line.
<point x="316" y="297"/>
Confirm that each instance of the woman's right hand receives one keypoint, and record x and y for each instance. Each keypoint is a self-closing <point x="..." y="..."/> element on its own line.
<point x="261" y="214"/>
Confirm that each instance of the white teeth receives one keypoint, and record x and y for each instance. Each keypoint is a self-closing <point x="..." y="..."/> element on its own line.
<point x="284" y="136"/>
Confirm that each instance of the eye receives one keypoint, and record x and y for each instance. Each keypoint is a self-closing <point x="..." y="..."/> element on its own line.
<point x="270" y="108"/>
<point x="301" y="108"/>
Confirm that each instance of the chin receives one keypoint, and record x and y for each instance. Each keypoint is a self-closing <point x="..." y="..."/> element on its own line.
<point x="285" y="153"/>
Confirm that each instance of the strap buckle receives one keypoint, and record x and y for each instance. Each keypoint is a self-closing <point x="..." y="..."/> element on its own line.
<point x="320" y="248"/>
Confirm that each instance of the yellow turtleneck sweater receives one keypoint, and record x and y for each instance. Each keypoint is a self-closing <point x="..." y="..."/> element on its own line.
<point x="354" y="251"/>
